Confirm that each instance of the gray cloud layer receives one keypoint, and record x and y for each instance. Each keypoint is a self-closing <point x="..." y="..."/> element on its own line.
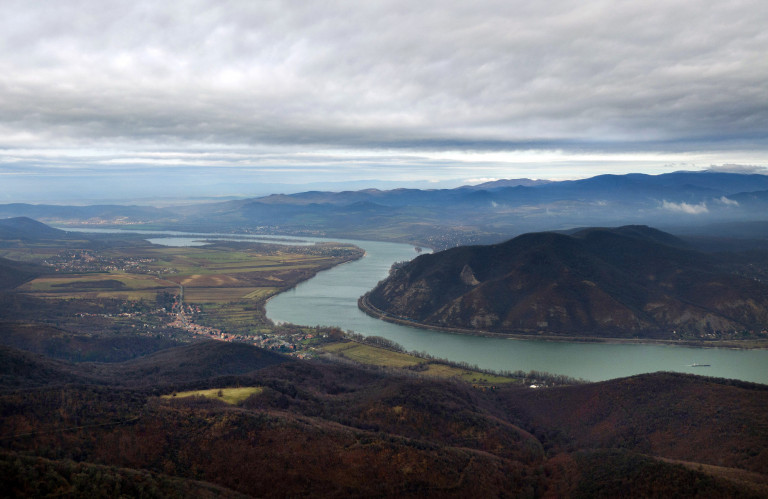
<point x="593" y="75"/>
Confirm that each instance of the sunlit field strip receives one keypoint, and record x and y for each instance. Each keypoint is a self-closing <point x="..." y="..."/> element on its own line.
<point x="232" y="396"/>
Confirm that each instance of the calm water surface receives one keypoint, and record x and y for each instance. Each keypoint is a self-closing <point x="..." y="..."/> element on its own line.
<point x="330" y="299"/>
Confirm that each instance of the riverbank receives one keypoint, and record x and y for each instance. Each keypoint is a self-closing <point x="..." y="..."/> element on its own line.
<point x="365" y="306"/>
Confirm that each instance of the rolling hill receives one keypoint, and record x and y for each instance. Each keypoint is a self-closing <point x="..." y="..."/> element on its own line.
<point x="27" y="229"/>
<point x="628" y="282"/>
<point x="331" y="430"/>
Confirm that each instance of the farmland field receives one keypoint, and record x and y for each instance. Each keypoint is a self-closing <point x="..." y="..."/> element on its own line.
<point x="367" y="354"/>
<point x="227" y="282"/>
<point x="91" y="282"/>
<point x="372" y="355"/>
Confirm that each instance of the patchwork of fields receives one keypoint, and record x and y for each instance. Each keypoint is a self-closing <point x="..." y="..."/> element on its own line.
<point x="229" y="281"/>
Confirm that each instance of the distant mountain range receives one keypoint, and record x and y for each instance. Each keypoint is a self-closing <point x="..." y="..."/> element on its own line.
<point x="442" y="218"/>
<point x="632" y="281"/>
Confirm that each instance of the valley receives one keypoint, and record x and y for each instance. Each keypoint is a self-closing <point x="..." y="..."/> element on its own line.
<point x="383" y="250"/>
<point x="234" y="362"/>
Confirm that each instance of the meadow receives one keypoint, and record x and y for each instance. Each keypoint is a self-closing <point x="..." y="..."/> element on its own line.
<point x="382" y="357"/>
<point x="231" y="396"/>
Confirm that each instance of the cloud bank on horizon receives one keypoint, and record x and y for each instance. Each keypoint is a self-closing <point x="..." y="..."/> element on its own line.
<point x="381" y="89"/>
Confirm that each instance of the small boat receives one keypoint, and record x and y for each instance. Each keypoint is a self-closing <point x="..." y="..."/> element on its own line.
<point x="696" y="364"/>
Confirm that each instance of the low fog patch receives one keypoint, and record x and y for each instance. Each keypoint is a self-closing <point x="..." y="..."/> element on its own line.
<point x="691" y="209"/>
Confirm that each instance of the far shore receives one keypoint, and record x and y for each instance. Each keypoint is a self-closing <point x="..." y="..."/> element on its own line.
<point x="364" y="304"/>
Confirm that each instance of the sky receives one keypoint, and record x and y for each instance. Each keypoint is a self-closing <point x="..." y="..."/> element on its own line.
<point x="103" y="100"/>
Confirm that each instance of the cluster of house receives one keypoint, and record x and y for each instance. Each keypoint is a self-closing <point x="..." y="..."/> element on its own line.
<point x="285" y="344"/>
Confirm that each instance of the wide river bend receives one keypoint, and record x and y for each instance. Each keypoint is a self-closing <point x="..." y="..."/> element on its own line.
<point x="330" y="299"/>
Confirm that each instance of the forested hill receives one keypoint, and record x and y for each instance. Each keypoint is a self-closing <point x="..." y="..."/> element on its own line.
<point x="628" y="282"/>
<point x="329" y="430"/>
<point x="28" y="229"/>
<point x="13" y="273"/>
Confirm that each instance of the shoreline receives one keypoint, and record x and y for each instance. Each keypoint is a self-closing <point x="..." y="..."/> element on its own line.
<point x="263" y="303"/>
<point x="365" y="306"/>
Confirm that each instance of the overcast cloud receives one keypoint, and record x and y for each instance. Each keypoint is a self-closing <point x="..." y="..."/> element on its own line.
<point x="443" y="88"/>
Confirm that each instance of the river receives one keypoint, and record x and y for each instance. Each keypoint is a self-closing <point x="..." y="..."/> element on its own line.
<point x="330" y="299"/>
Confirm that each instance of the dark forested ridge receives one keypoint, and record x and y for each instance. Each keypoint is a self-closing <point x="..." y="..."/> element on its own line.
<point x="27" y="228"/>
<point x="628" y="282"/>
<point x="330" y="430"/>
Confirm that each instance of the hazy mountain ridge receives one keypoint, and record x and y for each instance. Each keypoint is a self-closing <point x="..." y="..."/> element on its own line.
<point x="443" y="218"/>
<point x="627" y="282"/>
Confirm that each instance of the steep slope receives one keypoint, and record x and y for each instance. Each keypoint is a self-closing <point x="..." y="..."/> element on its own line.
<point x="672" y="415"/>
<point x="13" y="273"/>
<point x="626" y="282"/>
<point x="180" y="364"/>
<point x="21" y="369"/>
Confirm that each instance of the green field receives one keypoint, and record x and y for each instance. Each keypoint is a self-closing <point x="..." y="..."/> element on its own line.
<point x="109" y="281"/>
<point x="234" y="317"/>
<point x="218" y="295"/>
<point x="367" y="354"/>
<point x="446" y="371"/>
<point x="209" y="275"/>
<point x="372" y="355"/>
<point x="232" y="396"/>
<point x="196" y="260"/>
<point x="229" y="283"/>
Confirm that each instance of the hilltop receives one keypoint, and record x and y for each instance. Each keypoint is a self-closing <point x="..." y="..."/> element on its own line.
<point x="27" y="229"/>
<point x="627" y="282"/>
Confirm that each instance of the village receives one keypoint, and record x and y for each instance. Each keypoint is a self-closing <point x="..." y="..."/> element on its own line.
<point x="286" y="341"/>
<point x="83" y="260"/>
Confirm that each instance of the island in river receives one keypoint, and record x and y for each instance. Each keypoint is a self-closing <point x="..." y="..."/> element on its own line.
<point x="629" y="283"/>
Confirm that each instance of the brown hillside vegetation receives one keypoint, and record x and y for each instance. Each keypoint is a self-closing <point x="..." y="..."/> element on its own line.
<point x="628" y="282"/>
<point x="333" y="430"/>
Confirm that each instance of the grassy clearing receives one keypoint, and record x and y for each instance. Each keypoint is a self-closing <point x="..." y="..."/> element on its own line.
<point x="367" y="354"/>
<point x="92" y="282"/>
<point x="217" y="295"/>
<point x="91" y="295"/>
<point x="232" y="396"/>
<point x="446" y="371"/>
<point x="261" y="293"/>
<point x="192" y="260"/>
<point x="371" y="355"/>
<point x="209" y="280"/>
